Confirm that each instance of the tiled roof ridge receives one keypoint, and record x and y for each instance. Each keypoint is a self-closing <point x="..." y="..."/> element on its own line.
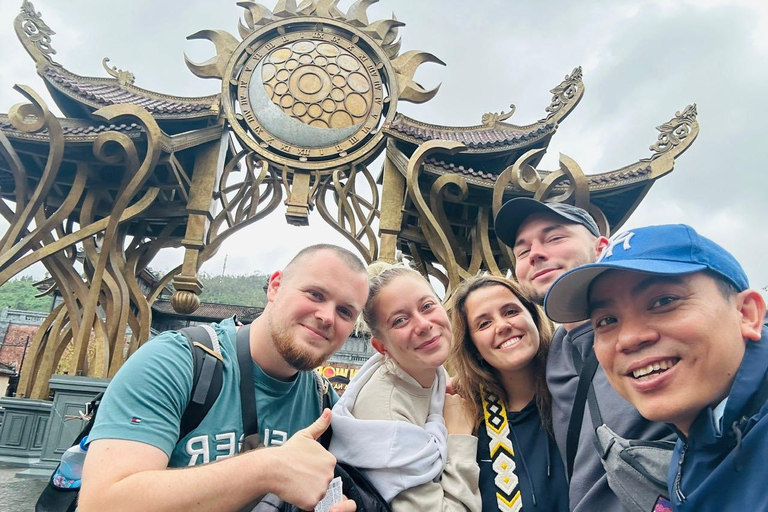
<point x="243" y="306"/>
<point x="480" y="136"/>
<point x="74" y="129"/>
<point x="402" y="119"/>
<point x="107" y="91"/>
<point x="634" y="170"/>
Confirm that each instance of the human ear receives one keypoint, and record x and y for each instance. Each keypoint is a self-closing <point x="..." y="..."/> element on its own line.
<point x="379" y="346"/>
<point x="600" y="244"/>
<point x="751" y="306"/>
<point x="274" y="284"/>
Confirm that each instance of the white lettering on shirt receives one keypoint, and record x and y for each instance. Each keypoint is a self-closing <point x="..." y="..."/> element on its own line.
<point x="194" y="453"/>
<point x="276" y="438"/>
<point x="228" y="445"/>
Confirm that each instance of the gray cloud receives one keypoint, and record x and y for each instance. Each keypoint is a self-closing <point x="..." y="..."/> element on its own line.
<point x="642" y="62"/>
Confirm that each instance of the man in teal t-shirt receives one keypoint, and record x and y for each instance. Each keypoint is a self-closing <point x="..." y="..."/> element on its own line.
<point x="311" y="310"/>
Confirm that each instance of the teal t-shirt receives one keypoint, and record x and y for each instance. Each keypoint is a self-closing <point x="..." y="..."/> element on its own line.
<point x="147" y="398"/>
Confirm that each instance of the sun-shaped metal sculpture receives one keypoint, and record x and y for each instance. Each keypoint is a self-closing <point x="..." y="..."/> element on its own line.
<point x="310" y="87"/>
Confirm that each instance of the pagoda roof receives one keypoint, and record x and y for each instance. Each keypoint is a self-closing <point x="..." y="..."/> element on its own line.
<point x="98" y="92"/>
<point x="212" y="312"/>
<point x="87" y="130"/>
<point x="494" y="135"/>
<point x="616" y="192"/>
<point x="7" y="369"/>
<point x="78" y="96"/>
<point x="500" y="136"/>
<point x="629" y="174"/>
<point x="71" y="128"/>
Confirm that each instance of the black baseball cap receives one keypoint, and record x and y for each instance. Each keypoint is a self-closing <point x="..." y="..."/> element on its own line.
<point x="515" y="211"/>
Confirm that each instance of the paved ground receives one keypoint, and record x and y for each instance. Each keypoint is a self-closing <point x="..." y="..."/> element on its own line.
<point x="18" y="494"/>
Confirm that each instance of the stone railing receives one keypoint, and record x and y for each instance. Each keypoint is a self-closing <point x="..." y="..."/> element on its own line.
<point x="17" y="316"/>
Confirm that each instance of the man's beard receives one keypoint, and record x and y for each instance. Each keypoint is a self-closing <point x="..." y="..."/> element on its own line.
<point x="534" y="296"/>
<point x="301" y="360"/>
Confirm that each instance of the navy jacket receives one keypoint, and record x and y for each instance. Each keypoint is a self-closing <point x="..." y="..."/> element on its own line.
<point x="720" y="472"/>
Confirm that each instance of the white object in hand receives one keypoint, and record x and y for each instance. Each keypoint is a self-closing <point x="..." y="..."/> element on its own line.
<point x="332" y="496"/>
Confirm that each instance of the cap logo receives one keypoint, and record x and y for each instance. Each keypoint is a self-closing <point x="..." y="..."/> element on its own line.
<point x="621" y="238"/>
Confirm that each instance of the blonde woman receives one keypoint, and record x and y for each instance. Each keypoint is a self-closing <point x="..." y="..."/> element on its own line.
<point x="394" y="421"/>
<point x="499" y="355"/>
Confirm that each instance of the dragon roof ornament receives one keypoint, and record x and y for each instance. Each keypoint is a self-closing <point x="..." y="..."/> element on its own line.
<point x="123" y="77"/>
<point x="675" y="132"/>
<point x="34" y="34"/>
<point x="567" y="94"/>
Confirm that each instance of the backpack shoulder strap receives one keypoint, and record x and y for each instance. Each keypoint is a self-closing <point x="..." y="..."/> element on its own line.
<point x="586" y="374"/>
<point x="247" y="391"/>
<point x="324" y="393"/>
<point x="208" y="373"/>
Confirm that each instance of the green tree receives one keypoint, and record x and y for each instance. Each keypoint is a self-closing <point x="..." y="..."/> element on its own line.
<point x="241" y="290"/>
<point x="20" y="293"/>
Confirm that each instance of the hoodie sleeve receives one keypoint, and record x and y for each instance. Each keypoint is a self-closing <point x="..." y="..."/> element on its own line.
<point x="457" y="490"/>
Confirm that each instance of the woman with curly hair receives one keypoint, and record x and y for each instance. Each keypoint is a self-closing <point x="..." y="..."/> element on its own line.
<point x="499" y="356"/>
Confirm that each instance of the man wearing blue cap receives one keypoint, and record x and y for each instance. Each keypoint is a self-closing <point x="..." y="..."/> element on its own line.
<point x="682" y="337"/>
<point x="547" y="240"/>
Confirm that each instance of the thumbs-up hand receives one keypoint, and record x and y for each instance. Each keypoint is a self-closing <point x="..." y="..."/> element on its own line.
<point x="306" y="468"/>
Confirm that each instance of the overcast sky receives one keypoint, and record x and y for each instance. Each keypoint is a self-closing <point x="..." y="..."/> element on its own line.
<point x="643" y="60"/>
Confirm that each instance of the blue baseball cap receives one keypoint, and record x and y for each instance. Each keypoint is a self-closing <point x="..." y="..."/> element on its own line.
<point x="669" y="250"/>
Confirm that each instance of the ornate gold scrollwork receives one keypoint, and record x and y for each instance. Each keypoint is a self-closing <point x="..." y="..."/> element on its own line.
<point x="355" y="215"/>
<point x="436" y="237"/>
<point x="108" y="259"/>
<point x="243" y="202"/>
<point x="440" y="191"/>
<point x="244" y="198"/>
<point x="30" y="118"/>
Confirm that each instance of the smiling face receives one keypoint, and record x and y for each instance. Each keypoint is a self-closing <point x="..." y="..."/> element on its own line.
<point x="412" y="327"/>
<point x="546" y="247"/>
<point x="313" y="310"/>
<point x="670" y="345"/>
<point x="501" y="328"/>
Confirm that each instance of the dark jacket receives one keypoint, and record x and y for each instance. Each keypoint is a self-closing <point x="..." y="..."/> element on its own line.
<point x="726" y="471"/>
<point x="589" y="490"/>
<point x="539" y="468"/>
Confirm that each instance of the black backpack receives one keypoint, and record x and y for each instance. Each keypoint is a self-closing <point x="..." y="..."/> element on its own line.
<point x="209" y="368"/>
<point x="208" y="377"/>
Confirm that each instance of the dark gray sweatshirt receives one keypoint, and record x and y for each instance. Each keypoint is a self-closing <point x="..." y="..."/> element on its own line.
<point x="589" y="489"/>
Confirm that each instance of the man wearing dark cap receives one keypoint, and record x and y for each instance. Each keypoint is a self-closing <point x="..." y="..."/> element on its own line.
<point x="682" y="337"/>
<point x="547" y="240"/>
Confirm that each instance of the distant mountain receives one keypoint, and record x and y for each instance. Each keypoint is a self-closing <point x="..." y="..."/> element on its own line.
<point x="19" y="293"/>
<point x="242" y="290"/>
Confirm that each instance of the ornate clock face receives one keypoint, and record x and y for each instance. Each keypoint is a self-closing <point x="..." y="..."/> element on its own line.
<point x="308" y="99"/>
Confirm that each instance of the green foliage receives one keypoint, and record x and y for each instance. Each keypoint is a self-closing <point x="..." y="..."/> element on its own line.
<point x="240" y="290"/>
<point x="20" y="294"/>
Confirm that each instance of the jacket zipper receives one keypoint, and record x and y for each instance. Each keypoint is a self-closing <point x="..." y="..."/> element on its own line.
<point x="679" y="477"/>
